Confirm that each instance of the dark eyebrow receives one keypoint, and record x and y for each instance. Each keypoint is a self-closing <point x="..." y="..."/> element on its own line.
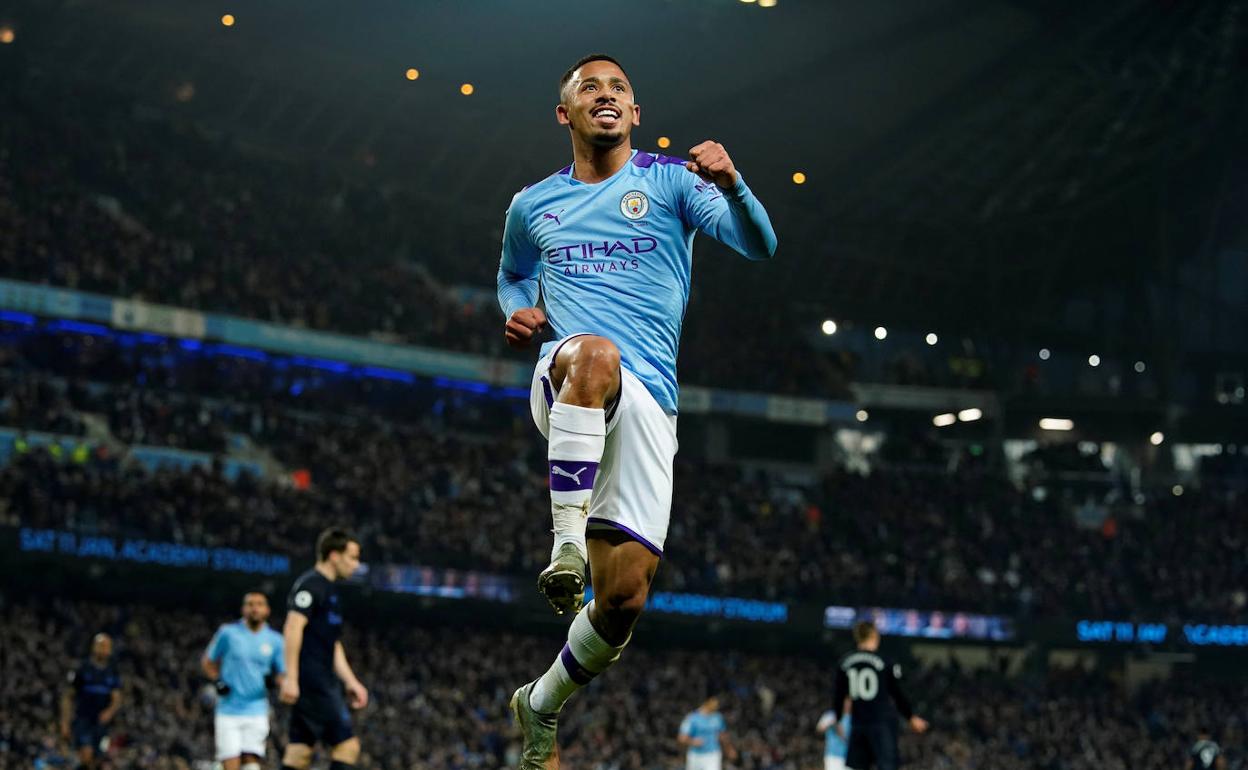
<point x="595" y="79"/>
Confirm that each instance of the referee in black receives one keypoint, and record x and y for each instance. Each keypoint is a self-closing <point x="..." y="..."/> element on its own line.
<point x="861" y="677"/>
<point x="317" y="671"/>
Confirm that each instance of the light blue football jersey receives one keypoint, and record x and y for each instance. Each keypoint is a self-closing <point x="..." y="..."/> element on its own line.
<point x="615" y="258"/>
<point x="834" y="745"/>
<point x="707" y="727"/>
<point x="246" y="658"/>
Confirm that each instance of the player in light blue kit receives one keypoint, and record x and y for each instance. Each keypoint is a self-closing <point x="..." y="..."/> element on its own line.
<point x="836" y="739"/>
<point x="704" y="732"/>
<point x="607" y="243"/>
<point x="243" y="659"/>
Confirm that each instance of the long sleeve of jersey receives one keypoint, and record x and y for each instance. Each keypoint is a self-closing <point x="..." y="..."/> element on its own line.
<point x="892" y="675"/>
<point x="519" y="268"/>
<point x="733" y="217"/>
<point x="840" y="691"/>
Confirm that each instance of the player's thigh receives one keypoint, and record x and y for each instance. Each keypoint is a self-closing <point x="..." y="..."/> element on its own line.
<point x="710" y="760"/>
<point x="859" y="754"/>
<point x="307" y="724"/>
<point x="633" y="487"/>
<point x="228" y="737"/>
<point x="253" y="734"/>
<point x="884" y="746"/>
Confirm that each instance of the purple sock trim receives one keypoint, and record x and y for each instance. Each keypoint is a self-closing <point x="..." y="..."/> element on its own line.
<point x="576" y="671"/>
<point x="615" y="524"/>
<point x="572" y="475"/>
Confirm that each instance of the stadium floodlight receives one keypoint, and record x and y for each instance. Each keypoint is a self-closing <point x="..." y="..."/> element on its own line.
<point x="7" y="35"/>
<point x="1056" y="423"/>
<point x="862" y="415"/>
<point x="1139" y="367"/>
<point x="664" y="142"/>
<point x="931" y="338"/>
<point x="1156" y="438"/>
<point x="880" y="332"/>
<point x="1094" y="360"/>
<point x="828" y="327"/>
<point x="1177" y="489"/>
<point x="941" y="420"/>
<point x="970" y="415"/>
<point x="1044" y="354"/>
<point x="767" y="3"/>
<point x="799" y="177"/>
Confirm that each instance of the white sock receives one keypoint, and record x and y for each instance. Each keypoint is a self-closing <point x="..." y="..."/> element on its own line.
<point x="585" y="656"/>
<point x="577" y="437"/>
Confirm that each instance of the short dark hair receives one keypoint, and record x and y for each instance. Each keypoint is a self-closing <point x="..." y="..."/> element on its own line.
<point x="332" y="539"/>
<point x="864" y="630"/>
<point x="255" y="592"/>
<point x="563" y="81"/>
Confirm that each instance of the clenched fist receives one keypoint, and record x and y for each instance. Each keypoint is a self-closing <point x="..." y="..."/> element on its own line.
<point x="710" y="161"/>
<point x="524" y="324"/>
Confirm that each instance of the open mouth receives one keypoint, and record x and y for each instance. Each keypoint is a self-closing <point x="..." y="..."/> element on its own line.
<point x="606" y="116"/>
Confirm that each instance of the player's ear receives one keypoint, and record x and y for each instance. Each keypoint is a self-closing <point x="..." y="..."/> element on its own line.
<point x="561" y="115"/>
<point x="636" y="114"/>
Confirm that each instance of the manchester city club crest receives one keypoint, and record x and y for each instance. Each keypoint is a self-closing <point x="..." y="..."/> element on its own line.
<point x="634" y="204"/>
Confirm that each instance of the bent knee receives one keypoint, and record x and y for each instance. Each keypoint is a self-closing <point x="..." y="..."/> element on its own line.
<point x="348" y="751"/>
<point x="587" y="370"/>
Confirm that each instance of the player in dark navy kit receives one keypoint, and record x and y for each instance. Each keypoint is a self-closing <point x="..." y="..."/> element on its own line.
<point x="88" y="708"/>
<point x="871" y="683"/>
<point x="317" y="671"/>
<point x="1205" y="754"/>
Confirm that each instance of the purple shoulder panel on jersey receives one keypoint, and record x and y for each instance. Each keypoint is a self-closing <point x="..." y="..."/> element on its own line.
<point x="646" y="160"/>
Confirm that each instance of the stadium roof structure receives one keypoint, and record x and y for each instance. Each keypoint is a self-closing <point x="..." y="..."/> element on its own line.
<point x="1063" y="168"/>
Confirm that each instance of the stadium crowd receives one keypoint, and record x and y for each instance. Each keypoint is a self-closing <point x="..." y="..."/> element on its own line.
<point x="439" y="700"/>
<point x="100" y="194"/>
<point x="444" y="478"/>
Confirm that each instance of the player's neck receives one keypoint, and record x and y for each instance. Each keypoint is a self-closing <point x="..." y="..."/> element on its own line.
<point x="326" y="570"/>
<point x="99" y="662"/>
<point x="253" y="627"/>
<point x="592" y="164"/>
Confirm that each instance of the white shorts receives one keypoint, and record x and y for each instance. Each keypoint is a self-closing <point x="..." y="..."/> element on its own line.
<point x="703" y="760"/>
<point x="833" y="763"/>
<point x="633" y="488"/>
<point x="238" y="735"/>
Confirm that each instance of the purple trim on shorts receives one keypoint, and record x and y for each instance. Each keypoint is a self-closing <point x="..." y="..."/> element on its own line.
<point x="550" y="396"/>
<point x="615" y="524"/>
<point x="564" y="479"/>
<point x="576" y="671"/>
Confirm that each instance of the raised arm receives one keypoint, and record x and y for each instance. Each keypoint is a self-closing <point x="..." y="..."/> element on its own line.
<point x="826" y="720"/>
<point x="722" y="206"/>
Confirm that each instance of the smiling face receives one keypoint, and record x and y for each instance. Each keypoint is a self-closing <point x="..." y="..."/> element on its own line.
<point x="596" y="104"/>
